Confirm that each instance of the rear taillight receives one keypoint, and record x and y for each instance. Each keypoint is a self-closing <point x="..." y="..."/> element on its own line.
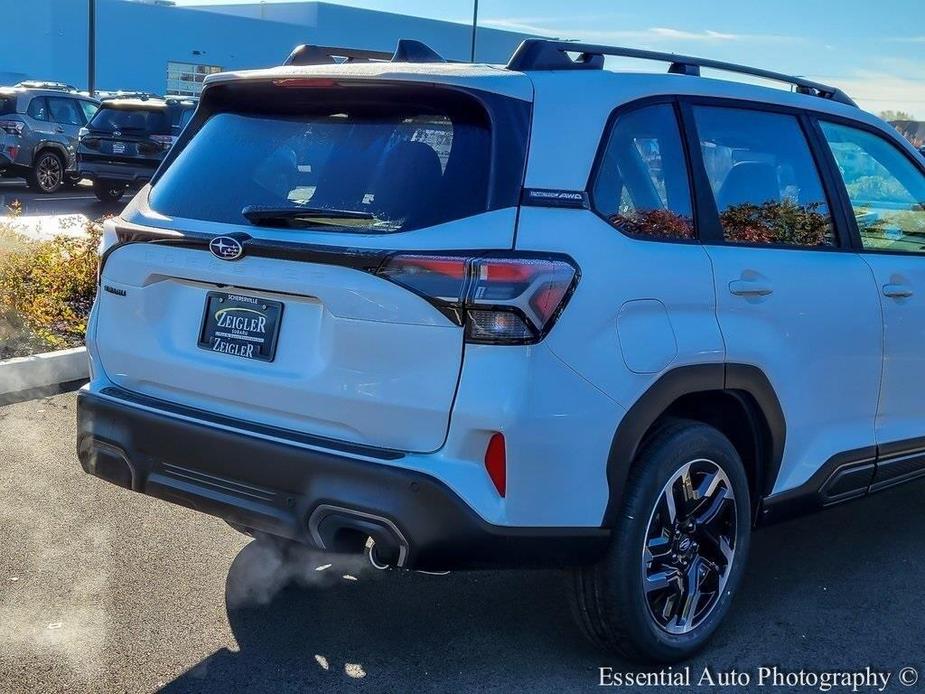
<point x="165" y="141"/>
<point x="12" y="127"/>
<point x="503" y="299"/>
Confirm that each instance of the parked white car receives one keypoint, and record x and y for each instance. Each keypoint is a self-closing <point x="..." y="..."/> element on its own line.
<point x="537" y="315"/>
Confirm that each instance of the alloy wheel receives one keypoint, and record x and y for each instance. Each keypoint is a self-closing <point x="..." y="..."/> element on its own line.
<point x="49" y="172"/>
<point x="689" y="546"/>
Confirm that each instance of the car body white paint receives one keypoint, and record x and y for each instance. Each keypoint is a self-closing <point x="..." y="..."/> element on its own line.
<point x="346" y="372"/>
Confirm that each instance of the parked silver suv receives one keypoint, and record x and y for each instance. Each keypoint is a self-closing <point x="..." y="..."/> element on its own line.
<point x="39" y="126"/>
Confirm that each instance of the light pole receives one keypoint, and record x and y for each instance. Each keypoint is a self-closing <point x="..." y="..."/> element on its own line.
<point x="475" y="23"/>
<point x="91" y="43"/>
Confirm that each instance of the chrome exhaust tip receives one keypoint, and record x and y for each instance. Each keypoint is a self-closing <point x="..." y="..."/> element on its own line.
<point x="373" y="555"/>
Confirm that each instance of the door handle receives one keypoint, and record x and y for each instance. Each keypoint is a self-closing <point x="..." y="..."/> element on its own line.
<point x="897" y="291"/>
<point x="750" y="288"/>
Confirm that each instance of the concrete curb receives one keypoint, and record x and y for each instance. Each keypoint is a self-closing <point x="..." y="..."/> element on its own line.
<point x="43" y="370"/>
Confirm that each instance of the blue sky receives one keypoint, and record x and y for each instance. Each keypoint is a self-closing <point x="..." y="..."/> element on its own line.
<point x="874" y="50"/>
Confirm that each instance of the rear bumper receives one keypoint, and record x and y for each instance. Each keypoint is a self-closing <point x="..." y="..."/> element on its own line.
<point x="124" y="173"/>
<point x="271" y="481"/>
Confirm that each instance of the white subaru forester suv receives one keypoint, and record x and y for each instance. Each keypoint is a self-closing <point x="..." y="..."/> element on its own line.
<point x="544" y="314"/>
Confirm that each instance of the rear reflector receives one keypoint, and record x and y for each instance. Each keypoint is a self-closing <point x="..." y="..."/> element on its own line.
<point x="496" y="463"/>
<point x="511" y="299"/>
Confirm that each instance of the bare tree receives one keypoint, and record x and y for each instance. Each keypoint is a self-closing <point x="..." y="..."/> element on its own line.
<point x="891" y="116"/>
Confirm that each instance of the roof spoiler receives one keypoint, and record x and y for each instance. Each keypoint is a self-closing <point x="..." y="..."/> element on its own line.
<point x="549" y="54"/>
<point x="407" y="51"/>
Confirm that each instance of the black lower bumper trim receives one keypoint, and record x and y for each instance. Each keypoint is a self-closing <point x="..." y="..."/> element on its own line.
<point x="276" y="488"/>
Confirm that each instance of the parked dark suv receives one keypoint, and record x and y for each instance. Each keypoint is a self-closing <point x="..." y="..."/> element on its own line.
<point x="39" y="126"/>
<point x="126" y="141"/>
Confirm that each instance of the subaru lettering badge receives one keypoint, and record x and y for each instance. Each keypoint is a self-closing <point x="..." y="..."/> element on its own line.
<point x="226" y="248"/>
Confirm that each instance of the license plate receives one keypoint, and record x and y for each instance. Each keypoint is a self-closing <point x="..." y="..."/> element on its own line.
<point x="118" y="148"/>
<point x="242" y="326"/>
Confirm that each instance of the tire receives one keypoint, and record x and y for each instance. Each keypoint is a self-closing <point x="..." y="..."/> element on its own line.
<point x="609" y="599"/>
<point x="106" y="192"/>
<point x="47" y="174"/>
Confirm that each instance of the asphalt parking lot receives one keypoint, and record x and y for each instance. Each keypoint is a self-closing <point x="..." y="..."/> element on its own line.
<point x="105" y="590"/>
<point x="67" y="201"/>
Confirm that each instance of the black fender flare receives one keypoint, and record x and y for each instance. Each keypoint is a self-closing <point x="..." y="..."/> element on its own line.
<point x="686" y="380"/>
<point x="57" y="147"/>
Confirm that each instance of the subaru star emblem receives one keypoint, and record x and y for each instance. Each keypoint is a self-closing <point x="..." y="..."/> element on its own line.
<point x="117" y="133"/>
<point x="226" y="248"/>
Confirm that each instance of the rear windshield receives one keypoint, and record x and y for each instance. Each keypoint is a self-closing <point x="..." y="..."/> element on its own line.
<point x="179" y="117"/>
<point x="384" y="165"/>
<point x="7" y="104"/>
<point x="143" y="121"/>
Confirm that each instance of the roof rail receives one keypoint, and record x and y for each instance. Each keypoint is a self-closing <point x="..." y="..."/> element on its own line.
<point x="43" y="84"/>
<point x="547" y="54"/>
<point x="407" y="51"/>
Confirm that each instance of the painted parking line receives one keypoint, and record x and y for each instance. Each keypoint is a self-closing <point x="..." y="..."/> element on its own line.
<point x="70" y="197"/>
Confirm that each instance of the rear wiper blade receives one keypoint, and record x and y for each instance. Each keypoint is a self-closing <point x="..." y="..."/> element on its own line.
<point x="300" y="216"/>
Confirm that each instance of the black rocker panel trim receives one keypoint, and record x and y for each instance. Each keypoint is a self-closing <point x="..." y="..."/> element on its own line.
<point x="847" y="476"/>
<point x="843" y="477"/>
<point x="898" y="463"/>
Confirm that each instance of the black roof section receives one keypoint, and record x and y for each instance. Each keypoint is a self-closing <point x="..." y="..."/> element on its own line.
<point x="551" y="54"/>
<point x="407" y="51"/>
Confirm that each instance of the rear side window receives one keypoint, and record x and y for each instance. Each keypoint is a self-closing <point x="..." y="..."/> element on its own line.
<point x="642" y="186"/>
<point x="764" y="179"/>
<point x="38" y="108"/>
<point x="886" y="190"/>
<point x="89" y="110"/>
<point x="131" y="121"/>
<point x="7" y="104"/>
<point x="347" y="159"/>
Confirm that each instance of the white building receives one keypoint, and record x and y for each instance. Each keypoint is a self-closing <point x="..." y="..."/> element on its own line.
<point x="150" y="45"/>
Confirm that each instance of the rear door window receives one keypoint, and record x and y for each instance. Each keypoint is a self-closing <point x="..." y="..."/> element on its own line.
<point x="642" y="186"/>
<point x="764" y="179"/>
<point x="131" y="121"/>
<point x="64" y="111"/>
<point x="348" y="161"/>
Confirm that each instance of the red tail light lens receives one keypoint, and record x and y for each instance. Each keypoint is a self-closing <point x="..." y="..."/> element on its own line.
<point x="499" y="299"/>
<point x="496" y="463"/>
<point x="305" y="83"/>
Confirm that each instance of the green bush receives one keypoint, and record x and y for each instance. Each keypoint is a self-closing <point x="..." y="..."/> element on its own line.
<point x="46" y="290"/>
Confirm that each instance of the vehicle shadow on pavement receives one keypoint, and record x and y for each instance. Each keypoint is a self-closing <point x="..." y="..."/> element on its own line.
<point x="351" y="627"/>
<point x="389" y="630"/>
